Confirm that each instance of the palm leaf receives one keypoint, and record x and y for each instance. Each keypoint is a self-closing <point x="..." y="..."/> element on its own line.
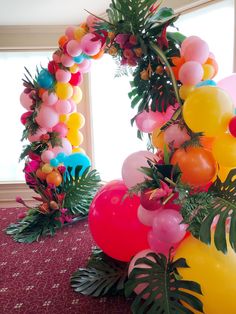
<point x="80" y="190"/>
<point x="103" y="276"/>
<point x="223" y="207"/>
<point x="163" y="285"/>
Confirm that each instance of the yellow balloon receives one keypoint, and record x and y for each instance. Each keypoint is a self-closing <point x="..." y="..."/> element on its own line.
<point x="209" y="72"/>
<point x="75" y="137"/>
<point x="47" y="168"/>
<point x="76" y="121"/>
<point x="79" y="150"/>
<point x="74" y="68"/>
<point x="214" y="271"/>
<point x="79" y="33"/>
<point x="77" y="95"/>
<point x="64" y="90"/>
<point x="223" y="173"/>
<point x="158" y="139"/>
<point x="224" y="150"/>
<point x="185" y="91"/>
<point x="63" y="118"/>
<point x="208" y="109"/>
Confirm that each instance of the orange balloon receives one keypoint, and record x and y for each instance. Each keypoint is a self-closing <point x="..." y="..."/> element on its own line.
<point x="62" y="41"/>
<point x="54" y="178"/>
<point x="197" y="165"/>
<point x="98" y="55"/>
<point x="158" y="139"/>
<point x="41" y="92"/>
<point x="213" y="62"/>
<point x="41" y="175"/>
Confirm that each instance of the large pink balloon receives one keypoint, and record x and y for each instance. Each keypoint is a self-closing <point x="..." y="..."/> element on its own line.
<point x="47" y="117"/>
<point x="229" y="85"/>
<point x="149" y="121"/>
<point x="114" y="223"/>
<point x="130" y="170"/>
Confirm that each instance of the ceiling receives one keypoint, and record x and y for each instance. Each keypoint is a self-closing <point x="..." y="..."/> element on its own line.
<point x="57" y="12"/>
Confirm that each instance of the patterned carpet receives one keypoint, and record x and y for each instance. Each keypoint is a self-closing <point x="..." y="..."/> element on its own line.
<point x="35" y="278"/>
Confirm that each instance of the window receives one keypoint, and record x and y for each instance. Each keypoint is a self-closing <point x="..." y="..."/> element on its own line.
<point x="114" y="138"/>
<point x="12" y="71"/>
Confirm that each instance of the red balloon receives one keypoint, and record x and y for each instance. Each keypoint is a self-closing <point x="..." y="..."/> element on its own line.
<point x="114" y="223"/>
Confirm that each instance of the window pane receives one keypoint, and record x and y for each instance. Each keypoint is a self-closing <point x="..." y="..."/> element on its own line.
<point x="215" y="25"/>
<point x="12" y="71"/>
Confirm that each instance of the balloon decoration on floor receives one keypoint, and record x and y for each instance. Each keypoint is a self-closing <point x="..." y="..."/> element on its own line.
<point x="166" y="232"/>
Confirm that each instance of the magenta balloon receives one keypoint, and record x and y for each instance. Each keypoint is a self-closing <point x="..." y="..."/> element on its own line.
<point x="149" y="121"/>
<point x="130" y="170"/>
<point x="26" y="101"/>
<point x="25" y="116"/>
<point x="157" y="246"/>
<point x="229" y="85"/>
<point x="47" y="117"/>
<point x="146" y="216"/>
<point x="167" y="226"/>
<point x="114" y="223"/>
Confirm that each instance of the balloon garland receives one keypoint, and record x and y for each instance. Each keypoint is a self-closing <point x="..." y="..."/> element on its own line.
<point x="153" y="225"/>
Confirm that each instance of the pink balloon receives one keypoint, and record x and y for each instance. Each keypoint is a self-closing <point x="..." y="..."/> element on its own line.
<point x="70" y="30"/>
<point x="63" y="107"/>
<point x="90" y="47"/>
<point x="197" y="50"/>
<point x="175" y="135"/>
<point x="61" y="128"/>
<point x="49" y="99"/>
<point x="91" y="21"/>
<point x="65" y="148"/>
<point x="159" y="247"/>
<point x="146" y="216"/>
<point x="229" y="85"/>
<point x="56" y="57"/>
<point x="47" y="155"/>
<point x="132" y="265"/>
<point x="167" y="226"/>
<point x="149" y="121"/>
<point x="63" y="76"/>
<point x="130" y="169"/>
<point x="67" y="61"/>
<point x="26" y="101"/>
<point x="188" y="41"/>
<point x="191" y="73"/>
<point x="47" y="117"/>
<point x="106" y="221"/>
<point x="73" y="48"/>
<point x="73" y="105"/>
<point x="36" y="137"/>
<point x="85" y="66"/>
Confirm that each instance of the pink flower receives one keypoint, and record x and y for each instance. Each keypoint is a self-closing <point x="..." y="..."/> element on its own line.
<point x="32" y="166"/>
<point x="163" y="191"/>
<point x="21" y="215"/>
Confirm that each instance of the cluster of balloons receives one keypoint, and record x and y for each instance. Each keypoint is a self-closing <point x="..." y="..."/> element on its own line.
<point x="52" y="104"/>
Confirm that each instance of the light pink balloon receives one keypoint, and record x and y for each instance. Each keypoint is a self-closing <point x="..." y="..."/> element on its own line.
<point x="89" y="47"/>
<point x="47" y="155"/>
<point x="85" y="66"/>
<point x="73" y="48"/>
<point x="159" y="247"/>
<point x="175" y="135"/>
<point x="49" y="99"/>
<point x="67" y="61"/>
<point x="145" y="216"/>
<point x="47" y="117"/>
<point x="65" y="148"/>
<point x="167" y="226"/>
<point x="63" y="76"/>
<point x="188" y="41"/>
<point x="73" y="105"/>
<point x="61" y="128"/>
<point x="196" y="50"/>
<point x="191" y="73"/>
<point x="70" y="30"/>
<point x="131" y="173"/>
<point x="148" y="121"/>
<point x="141" y="254"/>
<point x="63" y="107"/>
<point x="26" y="101"/>
<point x="36" y="137"/>
<point x="229" y="85"/>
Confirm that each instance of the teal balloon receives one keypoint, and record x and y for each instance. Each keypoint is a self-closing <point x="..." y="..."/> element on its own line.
<point x="45" y="79"/>
<point x="77" y="159"/>
<point x="206" y="83"/>
<point x="54" y="162"/>
<point x="79" y="59"/>
<point x="61" y="157"/>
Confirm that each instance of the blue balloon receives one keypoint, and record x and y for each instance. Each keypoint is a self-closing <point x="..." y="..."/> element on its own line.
<point x="61" y="157"/>
<point x="77" y="159"/>
<point x="45" y="79"/>
<point x="206" y="83"/>
<point x="79" y="59"/>
<point x="54" y="162"/>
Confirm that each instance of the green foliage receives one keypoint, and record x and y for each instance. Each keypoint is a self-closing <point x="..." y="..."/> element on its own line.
<point x="33" y="226"/>
<point x="163" y="285"/>
<point x="80" y="190"/>
<point x="223" y="207"/>
<point x="103" y="276"/>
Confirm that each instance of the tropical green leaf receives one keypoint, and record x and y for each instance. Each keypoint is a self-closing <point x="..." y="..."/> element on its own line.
<point x="103" y="276"/>
<point x="80" y="190"/>
<point x="162" y="284"/>
<point x="224" y="209"/>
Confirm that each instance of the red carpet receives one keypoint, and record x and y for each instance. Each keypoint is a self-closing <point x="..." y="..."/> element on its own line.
<point x="35" y="278"/>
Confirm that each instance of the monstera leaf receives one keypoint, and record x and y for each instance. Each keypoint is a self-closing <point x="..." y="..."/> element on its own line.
<point x="223" y="209"/>
<point x="163" y="291"/>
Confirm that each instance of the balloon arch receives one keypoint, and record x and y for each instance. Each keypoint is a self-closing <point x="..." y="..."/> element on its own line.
<point x="153" y="225"/>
